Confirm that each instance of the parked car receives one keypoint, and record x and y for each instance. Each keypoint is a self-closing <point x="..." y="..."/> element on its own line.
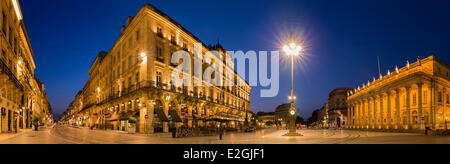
<point x="250" y="129"/>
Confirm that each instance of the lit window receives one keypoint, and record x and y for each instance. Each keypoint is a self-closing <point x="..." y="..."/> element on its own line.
<point x="448" y="101"/>
<point x="138" y="35"/>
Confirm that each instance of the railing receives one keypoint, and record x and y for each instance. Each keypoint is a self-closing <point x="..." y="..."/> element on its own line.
<point x="11" y="76"/>
<point x="160" y="86"/>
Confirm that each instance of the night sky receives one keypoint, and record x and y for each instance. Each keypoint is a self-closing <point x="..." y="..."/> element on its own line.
<point x="342" y="38"/>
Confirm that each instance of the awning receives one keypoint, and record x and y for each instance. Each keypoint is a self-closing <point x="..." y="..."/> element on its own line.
<point x="114" y="117"/>
<point x="161" y="115"/>
<point x="126" y="116"/>
<point x="175" y="116"/>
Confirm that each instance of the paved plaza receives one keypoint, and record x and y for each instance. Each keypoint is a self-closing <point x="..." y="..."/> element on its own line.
<point x="68" y="135"/>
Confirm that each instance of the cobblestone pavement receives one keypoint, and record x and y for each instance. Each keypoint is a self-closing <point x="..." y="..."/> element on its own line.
<point x="67" y="135"/>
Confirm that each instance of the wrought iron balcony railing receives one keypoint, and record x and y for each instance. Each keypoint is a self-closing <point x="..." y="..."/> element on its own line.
<point x="4" y="68"/>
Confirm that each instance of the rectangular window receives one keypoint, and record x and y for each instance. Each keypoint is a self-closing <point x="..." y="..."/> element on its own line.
<point x="10" y="36"/>
<point x="124" y="66"/>
<point x="158" y="52"/>
<point x="138" y="35"/>
<point x="130" y="62"/>
<point x="4" y="24"/>
<point x="158" y="78"/>
<point x="414" y="99"/>
<point x="130" y="42"/>
<point x="118" y="71"/>
<point x="440" y="97"/>
<point x="159" y="31"/>
<point x="137" y="78"/>
<point x="448" y="101"/>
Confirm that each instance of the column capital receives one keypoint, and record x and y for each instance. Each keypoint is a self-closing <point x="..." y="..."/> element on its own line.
<point x="407" y="87"/>
<point x="420" y="83"/>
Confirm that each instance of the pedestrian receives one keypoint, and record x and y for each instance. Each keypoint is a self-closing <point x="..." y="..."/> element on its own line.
<point x="174" y="132"/>
<point x="222" y="129"/>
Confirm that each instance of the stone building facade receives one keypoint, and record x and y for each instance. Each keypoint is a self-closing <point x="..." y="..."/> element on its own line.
<point x="282" y="114"/>
<point x="410" y="98"/>
<point x="337" y="107"/>
<point x="133" y="79"/>
<point x="22" y="95"/>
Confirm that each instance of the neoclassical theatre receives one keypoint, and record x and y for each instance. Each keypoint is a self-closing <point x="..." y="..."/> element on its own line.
<point x="133" y="79"/>
<point x="414" y="97"/>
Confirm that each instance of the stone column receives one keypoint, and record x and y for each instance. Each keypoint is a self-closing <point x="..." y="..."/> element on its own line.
<point x="408" y="107"/>
<point x="358" y="115"/>
<point x="433" y="105"/>
<point x="397" y="108"/>
<point x="142" y="113"/>
<point x="166" y="124"/>
<point x="444" y="104"/>
<point x="351" y="116"/>
<point x="374" y="113"/>
<point x="381" y="121"/>
<point x="151" y="114"/>
<point x="420" y="125"/>
<point x="389" y="111"/>
<point x="367" y="113"/>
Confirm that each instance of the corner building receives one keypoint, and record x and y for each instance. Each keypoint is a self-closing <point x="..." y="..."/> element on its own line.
<point x="414" y="97"/>
<point x="133" y="79"/>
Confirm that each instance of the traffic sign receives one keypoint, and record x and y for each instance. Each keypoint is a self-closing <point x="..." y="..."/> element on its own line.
<point x="146" y="117"/>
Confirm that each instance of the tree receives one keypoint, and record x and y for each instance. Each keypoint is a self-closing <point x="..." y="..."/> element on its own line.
<point x="269" y="123"/>
<point x="299" y="120"/>
<point x="314" y="117"/>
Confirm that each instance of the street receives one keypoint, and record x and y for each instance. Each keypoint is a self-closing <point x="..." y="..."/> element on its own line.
<point x="68" y="135"/>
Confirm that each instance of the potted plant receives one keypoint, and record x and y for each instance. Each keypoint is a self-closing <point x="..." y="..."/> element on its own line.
<point x="35" y="122"/>
<point x="132" y="125"/>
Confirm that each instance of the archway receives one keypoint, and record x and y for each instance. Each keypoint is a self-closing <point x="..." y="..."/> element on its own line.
<point x="173" y="116"/>
<point x="158" y="117"/>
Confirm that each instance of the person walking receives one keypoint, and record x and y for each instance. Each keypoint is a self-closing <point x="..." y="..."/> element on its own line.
<point x="222" y="129"/>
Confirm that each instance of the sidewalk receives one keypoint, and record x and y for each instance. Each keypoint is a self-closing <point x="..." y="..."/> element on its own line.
<point x="6" y="136"/>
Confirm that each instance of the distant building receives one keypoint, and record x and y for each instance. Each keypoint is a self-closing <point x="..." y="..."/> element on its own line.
<point x="337" y="107"/>
<point x="264" y="118"/>
<point x="282" y="113"/>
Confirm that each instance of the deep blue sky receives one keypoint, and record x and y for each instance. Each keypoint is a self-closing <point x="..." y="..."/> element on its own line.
<point x="343" y="38"/>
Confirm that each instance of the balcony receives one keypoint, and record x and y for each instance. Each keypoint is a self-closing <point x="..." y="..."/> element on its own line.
<point x="161" y="87"/>
<point x="4" y="69"/>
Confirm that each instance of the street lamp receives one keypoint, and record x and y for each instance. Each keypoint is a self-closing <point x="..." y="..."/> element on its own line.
<point x="292" y="50"/>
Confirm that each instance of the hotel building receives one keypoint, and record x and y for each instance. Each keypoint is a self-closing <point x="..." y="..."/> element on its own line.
<point x="133" y="79"/>
<point x="414" y="97"/>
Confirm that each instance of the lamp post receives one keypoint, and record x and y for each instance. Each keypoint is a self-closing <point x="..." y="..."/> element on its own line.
<point x="292" y="50"/>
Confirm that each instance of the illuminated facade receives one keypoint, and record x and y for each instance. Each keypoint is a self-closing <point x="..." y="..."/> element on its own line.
<point x="410" y="98"/>
<point x="133" y="79"/>
<point x="22" y="95"/>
